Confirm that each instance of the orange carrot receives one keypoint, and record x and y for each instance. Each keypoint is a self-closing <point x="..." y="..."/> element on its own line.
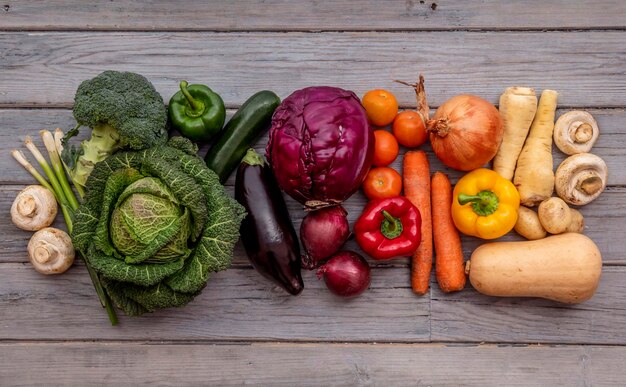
<point x="449" y="267"/>
<point x="417" y="190"/>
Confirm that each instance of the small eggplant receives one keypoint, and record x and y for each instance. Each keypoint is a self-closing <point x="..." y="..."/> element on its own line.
<point x="267" y="233"/>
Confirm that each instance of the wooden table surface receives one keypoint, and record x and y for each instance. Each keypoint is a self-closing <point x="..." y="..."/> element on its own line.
<point x="243" y="330"/>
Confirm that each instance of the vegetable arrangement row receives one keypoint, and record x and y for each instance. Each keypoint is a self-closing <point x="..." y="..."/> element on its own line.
<point x="152" y="220"/>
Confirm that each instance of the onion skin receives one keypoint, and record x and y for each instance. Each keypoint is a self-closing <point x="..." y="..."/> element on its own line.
<point x="346" y="274"/>
<point x="322" y="234"/>
<point x="465" y="132"/>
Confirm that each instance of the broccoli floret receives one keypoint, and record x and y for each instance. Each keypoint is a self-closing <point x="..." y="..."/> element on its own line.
<point x="124" y="110"/>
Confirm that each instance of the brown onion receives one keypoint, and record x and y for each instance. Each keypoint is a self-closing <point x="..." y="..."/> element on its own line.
<point x="465" y="132"/>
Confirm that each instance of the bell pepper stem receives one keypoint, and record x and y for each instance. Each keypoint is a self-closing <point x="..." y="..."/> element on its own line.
<point x="196" y="106"/>
<point x="464" y="199"/>
<point x="484" y="203"/>
<point x="390" y="227"/>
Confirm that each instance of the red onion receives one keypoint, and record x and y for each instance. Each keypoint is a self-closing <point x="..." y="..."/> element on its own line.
<point x="347" y="274"/>
<point x="322" y="233"/>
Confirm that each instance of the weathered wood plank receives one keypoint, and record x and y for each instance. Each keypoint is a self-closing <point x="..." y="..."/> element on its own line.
<point x="289" y="364"/>
<point x="587" y="68"/>
<point x="603" y="367"/>
<point x="240" y="305"/>
<point x="306" y="15"/>
<point x="236" y="305"/>
<point x="470" y="316"/>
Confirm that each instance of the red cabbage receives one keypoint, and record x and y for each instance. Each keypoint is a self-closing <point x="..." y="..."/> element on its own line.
<point x="321" y="145"/>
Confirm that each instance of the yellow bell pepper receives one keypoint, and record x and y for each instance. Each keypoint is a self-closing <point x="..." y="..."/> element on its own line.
<point x="484" y="204"/>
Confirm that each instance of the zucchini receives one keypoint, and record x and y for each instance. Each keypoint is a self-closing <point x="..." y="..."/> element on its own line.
<point x="241" y="132"/>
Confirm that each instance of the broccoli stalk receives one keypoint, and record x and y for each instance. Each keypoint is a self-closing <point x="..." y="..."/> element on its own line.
<point x="123" y="110"/>
<point x="103" y="142"/>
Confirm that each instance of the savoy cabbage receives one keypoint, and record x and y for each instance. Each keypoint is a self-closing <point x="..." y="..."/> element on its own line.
<point x="154" y="224"/>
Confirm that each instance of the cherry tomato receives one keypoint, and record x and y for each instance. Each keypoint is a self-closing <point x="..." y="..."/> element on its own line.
<point x="409" y="129"/>
<point x="385" y="148"/>
<point x="381" y="107"/>
<point x="381" y="183"/>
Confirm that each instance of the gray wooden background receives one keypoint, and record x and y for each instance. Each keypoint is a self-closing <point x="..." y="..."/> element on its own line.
<point x="242" y="330"/>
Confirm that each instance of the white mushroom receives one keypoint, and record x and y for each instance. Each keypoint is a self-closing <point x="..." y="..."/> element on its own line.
<point x="581" y="178"/>
<point x="34" y="208"/>
<point x="575" y="132"/>
<point x="50" y="251"/>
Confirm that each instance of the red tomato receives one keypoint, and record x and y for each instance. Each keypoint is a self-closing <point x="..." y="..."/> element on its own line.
<point x="385" y="148"/>
<point x="381" y="183"/>
<point x="409" y="129"/>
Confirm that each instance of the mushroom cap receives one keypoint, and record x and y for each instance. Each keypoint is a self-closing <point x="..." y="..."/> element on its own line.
<point x="34" y="208"/>
<point x="50" y="251"/>
<point x="581" y="178"/>
<point x="575" y="132"/>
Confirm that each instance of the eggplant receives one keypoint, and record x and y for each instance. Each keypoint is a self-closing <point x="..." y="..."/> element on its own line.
<point x="267" y="233"/>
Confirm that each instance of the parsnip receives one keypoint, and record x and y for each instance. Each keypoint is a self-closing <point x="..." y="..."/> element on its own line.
<point x="518" y="106"/>
<point x="534" y="177"/>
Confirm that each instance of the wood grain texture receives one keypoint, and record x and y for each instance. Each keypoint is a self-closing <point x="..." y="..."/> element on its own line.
<point x="289" y="364"/>
<point x="237" y="304"/>
<point x="240" y="305"/>
<point x="587" y="68"/>
<point x="470" y="316"/>
<point x="306" y="15"/>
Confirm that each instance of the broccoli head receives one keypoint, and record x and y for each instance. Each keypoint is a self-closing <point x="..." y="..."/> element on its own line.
<point x="128" y="103"/>
<point x="123" y="110"/>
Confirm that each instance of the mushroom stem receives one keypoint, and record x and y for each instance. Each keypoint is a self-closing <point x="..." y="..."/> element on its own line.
<point x="590" y="185"/>
<point x="583" y="133"/>
<point x="45" y="253"/>
<point x="27" y="207"/>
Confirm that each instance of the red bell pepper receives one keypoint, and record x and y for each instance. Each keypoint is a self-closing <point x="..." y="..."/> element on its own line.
<point x="389" y="228"/>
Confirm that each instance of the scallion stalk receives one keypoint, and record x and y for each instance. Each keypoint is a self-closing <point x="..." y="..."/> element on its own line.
<point x="58" y="184"/>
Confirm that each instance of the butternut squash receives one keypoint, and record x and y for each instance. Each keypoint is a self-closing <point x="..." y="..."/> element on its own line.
<point x="564" y="268"/>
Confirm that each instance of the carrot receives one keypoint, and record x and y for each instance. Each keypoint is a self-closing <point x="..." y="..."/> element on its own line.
<point x="417" y="189"/>
<point x="449" y="267"/>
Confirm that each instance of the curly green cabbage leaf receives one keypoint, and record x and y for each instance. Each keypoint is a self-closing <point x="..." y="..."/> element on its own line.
<point x="154" y="224"/>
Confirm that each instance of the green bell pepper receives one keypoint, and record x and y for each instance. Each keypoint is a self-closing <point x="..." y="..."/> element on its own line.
<point x="197" y="112"/>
